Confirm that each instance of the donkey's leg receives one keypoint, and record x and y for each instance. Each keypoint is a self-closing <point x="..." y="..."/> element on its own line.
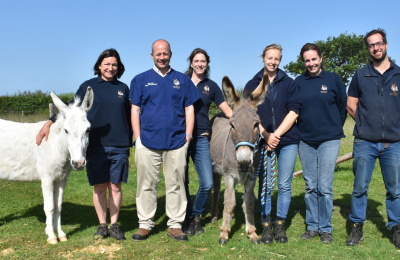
<point x="248" y="208"/>
<point x="216" y="190"/>
<point x="48" y="201"/>
<point x="58" y="198"/>
<point x="229" y="205"/>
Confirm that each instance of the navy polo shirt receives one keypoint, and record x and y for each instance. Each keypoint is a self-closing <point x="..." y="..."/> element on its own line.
<point x="209" y="92"/>
<point x="323" y="107"/>
<point x="110" y="115"/>
<point x="162" y="102"/>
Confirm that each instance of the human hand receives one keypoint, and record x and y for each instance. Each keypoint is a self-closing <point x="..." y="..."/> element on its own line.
<point x="273" y="140"/>
<point x="269" y="148"/>
<point x="44" y="133"/>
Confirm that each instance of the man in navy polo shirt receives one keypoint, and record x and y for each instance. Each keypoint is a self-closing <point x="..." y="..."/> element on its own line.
<point x="162" y="121"/>
<point x="374" y="102"/>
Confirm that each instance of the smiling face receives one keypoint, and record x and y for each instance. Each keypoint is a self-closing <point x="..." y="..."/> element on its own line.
<point x="108" y="68"/>
<point x="199" y="64"/>
<point x="272" y="59"/>
<point x="161" y="54"/>
<point x="312" y="62"/>
<point x="377" y="48"/>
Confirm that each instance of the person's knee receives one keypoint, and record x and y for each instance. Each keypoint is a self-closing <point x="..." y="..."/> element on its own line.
<point x="115" y="188"/>
<point x="100" y="188"/>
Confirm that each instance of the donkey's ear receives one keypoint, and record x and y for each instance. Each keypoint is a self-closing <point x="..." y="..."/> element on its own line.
<point x="88" y="99"/>
<point x="258" y="95"/>
<point x="58" y="103"/>
<point x="231" y="96"/>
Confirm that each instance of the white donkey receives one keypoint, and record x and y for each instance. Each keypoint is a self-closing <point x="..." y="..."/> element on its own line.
<point x="51" y="162"/>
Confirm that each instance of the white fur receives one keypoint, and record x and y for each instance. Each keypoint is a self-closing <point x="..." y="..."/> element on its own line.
<point x="51" y="162"/>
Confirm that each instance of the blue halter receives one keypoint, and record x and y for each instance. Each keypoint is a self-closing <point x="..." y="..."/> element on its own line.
<point x="244" y="143"/>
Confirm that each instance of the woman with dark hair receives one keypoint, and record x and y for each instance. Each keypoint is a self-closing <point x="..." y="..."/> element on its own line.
<point x="279" y="140"/>
<point x="320" y="125"/>
<point x="110" y="139"/>
<point x="199" y="147"/>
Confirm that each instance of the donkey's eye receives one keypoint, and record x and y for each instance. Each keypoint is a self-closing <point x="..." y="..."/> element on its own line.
<point x="233" y="126"/>
<point x="66" y="131"/>
<point x="88" y="130"/>
<point x="256" y="126"/>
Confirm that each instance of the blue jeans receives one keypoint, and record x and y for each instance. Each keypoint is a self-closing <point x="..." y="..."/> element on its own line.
<point x="318" y="162"/>
<point x="365" y="154"/>
<point x="287" y="156"/>
<point x="199" y="150"/>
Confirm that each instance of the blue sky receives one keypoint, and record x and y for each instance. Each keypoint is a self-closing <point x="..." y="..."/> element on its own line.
<point x="52" y="45"/>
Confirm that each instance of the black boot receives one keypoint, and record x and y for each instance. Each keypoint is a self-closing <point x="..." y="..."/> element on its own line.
<point x="267" y="236"/>
<point x="396" y="235"/>
<point x="197" y="224"/>
<point x="280" y="232"/>
<point x="356" y="234"/>
<point x="189" y="227"/>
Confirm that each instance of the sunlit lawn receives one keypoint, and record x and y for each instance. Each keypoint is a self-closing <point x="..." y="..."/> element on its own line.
<point x="22" y="223"/>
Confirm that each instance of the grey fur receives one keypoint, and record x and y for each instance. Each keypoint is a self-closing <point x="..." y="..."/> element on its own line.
<point x="233" y="164"/>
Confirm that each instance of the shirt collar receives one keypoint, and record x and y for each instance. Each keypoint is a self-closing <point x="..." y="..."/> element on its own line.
<point x="204" y="79"/>
<point x="159" y="71"/>
<point x="100" y="79"/>
<point x="320" y="75"/>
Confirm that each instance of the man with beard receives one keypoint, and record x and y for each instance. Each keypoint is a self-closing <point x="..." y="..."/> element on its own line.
<point x="374" y="103"/>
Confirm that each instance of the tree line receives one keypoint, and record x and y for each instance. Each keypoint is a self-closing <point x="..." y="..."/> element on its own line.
<point x="343" y="55"/>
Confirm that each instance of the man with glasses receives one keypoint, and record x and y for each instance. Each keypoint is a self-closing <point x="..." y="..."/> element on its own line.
<point x="374" y="103"/>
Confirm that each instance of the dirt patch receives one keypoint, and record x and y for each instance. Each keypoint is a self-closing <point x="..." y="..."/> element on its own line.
<point x="96" y="249"/>
<point x="7" y="251"/>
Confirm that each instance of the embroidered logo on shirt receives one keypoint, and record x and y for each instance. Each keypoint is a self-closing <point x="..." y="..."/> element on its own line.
<point x="324" y="89"/>
<point x="395" y="89"/>
<point x="176" y="83"/>
<point x="206" y="90"/>
<point x="151" y="84"/>
<point x="120" y="94"/>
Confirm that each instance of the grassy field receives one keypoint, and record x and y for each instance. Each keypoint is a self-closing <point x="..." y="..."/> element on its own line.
<point x="22" y="223"/>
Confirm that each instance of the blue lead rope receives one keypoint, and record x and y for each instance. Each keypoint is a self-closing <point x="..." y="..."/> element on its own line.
<point x="267" y="170"/>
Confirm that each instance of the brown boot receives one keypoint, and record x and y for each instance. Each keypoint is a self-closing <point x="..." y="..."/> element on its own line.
<point x="141" y="234"/>
<point x="177" y="234"/>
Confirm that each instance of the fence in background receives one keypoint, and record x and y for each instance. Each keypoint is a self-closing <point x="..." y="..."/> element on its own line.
<point x="27" y="110"/>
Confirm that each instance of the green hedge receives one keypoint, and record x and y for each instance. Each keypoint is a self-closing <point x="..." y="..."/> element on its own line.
<point x="29" y="101"/>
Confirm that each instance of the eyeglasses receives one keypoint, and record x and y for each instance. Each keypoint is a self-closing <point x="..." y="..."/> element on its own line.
<point x="377" y="44"/>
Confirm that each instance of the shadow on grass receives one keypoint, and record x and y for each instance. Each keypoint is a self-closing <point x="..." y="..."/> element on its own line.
<point x="373" y="215"/>
<point x="297" y="206"/>
<point x="84" y="216"/>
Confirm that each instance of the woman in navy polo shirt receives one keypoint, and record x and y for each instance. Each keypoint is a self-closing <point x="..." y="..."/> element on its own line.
<point x="110" y="138"/>
<point x="278" y="114"/>
<point x="199" y="147"/>
<point x="320" y="125"/>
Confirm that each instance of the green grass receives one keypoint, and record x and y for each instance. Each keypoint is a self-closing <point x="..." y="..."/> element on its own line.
<point x="22" y="223"/>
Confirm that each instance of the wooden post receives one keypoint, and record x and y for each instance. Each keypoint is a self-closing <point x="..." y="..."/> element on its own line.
<point x="51" y="109"/>
<point x="340" y="159"/>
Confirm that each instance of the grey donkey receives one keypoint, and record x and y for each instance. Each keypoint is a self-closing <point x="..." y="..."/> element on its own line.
<point x="232" y="153"/>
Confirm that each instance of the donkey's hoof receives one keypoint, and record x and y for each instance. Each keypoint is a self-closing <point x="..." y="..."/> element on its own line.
<point x="52" y="241"/>
<point x="214" y="219"/>
<point x="63" y="239"/>
<point x="255" y="241"/>
<point x="223" y="241"/>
